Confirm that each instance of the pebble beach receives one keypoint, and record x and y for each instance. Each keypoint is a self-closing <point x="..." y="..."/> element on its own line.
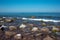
<point x="18" y="28"/>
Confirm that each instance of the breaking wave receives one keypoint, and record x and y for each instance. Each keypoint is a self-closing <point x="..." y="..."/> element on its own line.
<point x="45" y="20"/>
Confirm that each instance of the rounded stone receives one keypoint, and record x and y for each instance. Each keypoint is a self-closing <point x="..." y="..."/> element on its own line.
<point x="17" y="36"/>
<point x="8" y="20"/>
<point x="44" y="29"/>
<point x="34" y="29"/>
<point x="12" y="28"/>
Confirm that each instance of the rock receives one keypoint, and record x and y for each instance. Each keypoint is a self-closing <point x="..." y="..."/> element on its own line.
<point x="1" y="19"/>
<point x="8" y="20"/>
<point x="44" y="29"/>
<point x="12" y="28"/>
<point x="38" y="34"/>
<point x="24" y="22"/>
<point x="58" y="33"/>
<point x="3" y="27"/>
<point x="27" y="36"/>
<point x="34" y="29"/>
<point x="17" y="36"/>
<point x="31" y="25"/>
<point x="41" y="21"/>
<point x="22" y="26"/>
<point x="43" y="24"/>
<point x="54" y="29"/>
<point x="48" y="38"/>
<point x="14" y="18"/>
<point x="32" y="16"/>
<point x="8" y="34"/>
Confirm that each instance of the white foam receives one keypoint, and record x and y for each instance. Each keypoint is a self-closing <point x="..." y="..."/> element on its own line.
<point x="46" y="20"/>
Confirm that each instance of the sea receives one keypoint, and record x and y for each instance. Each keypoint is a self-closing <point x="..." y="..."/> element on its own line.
<point x="53" y="17"/>
<point x="46" y="15"/>
<point x="48" y="18"/>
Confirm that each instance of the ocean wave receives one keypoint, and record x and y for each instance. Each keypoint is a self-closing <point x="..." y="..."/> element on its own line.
<point x="45" y="20"/>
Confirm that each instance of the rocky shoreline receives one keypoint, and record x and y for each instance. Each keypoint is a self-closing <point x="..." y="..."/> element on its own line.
<point x="12" y="28"/>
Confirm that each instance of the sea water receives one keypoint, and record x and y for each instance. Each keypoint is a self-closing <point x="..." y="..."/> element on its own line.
<point x="46" y="15"/>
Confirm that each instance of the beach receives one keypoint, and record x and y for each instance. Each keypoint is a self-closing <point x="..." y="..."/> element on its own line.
<point x="29" y="19"/>
<point x="28" y="28"/>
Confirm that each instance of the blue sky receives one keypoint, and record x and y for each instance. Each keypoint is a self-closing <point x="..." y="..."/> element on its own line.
<point x="29" y="5"/>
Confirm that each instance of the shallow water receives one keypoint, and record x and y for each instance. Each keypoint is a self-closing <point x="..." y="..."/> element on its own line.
<point x="29" y="14"/>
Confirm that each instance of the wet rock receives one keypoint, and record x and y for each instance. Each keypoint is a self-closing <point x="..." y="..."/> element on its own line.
<point x="44" y="24"/>
<point x="41" y="21"/>
<point x="3" y="27"/>
<point x="24" y="22"/>
<point x="14" y="18"/>
<point x="3" y="17"/>
<point x="32" y="16"/>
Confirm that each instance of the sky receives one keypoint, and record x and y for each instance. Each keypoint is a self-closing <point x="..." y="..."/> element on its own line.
<point x="29" y="5"/>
